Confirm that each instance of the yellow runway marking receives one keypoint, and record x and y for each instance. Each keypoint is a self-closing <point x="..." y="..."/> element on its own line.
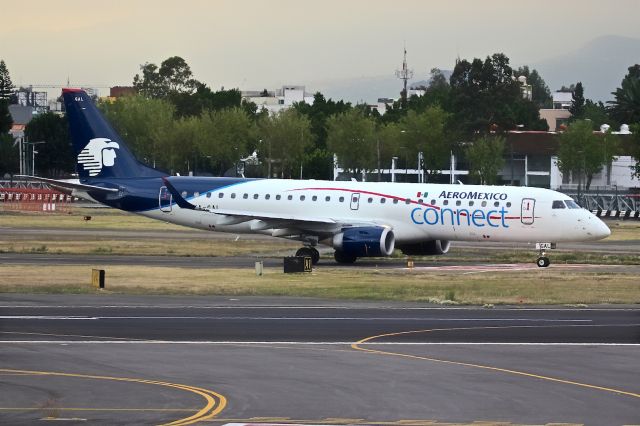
<point x="369" y="340"/>
<point x="215" y="401"/>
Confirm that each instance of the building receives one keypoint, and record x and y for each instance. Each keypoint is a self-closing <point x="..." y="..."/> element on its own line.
<point x="558" y="117"/>
<point x="275" y="101"/>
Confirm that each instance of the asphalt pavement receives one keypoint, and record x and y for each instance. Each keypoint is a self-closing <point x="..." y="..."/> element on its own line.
<point x="115" y="359"/>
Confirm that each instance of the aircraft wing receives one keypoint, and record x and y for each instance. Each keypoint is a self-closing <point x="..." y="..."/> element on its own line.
<point x="283" y="225"/>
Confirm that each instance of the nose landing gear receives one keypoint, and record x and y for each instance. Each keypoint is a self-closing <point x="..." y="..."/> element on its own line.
<point x="311" y="252"/>
<point x="543" y="261"/>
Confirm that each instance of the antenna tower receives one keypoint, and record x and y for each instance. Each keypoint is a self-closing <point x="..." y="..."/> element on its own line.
<point x="404" y="74"/>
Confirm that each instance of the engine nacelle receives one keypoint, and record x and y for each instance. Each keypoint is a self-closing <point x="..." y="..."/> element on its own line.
<point x="369" y="241"/>
<point x="426" y="248"/>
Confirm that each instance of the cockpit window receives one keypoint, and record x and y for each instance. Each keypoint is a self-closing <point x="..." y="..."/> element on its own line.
<point x="572" y="204"/>
<point x="558" y="204"/>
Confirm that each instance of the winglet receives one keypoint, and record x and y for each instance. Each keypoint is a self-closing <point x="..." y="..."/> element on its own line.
<point x="182" y="203"/>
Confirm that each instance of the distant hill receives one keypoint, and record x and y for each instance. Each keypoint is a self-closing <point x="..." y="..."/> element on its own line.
<point x="600" y="65"/>
<point x="366" y="89"/>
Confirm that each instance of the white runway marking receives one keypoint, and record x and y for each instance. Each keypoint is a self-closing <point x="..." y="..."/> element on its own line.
<point x="293" y="343"/>
<point x="45" y="317"/>
<point x="352" y="308"/>
<point x="232" y="318"/>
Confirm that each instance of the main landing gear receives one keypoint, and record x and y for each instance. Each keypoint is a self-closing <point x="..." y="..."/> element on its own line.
<point x="309" y="252"/>
<point x="543" y="261"/>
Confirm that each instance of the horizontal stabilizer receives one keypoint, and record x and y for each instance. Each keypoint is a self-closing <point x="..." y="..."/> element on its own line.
<point x="69" y="184"/>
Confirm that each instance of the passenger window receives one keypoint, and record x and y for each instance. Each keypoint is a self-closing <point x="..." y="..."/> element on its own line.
<point x="208" y="195"/>
<point x="458" y="203"/>
<point x="558" y="204"/>
<point x="407" y="201"/>
<point x="341" y="199"/>
<point x="255" y="196"/>
<point x="184" y="194"/>
<point x="196" y="194"/>
<point x="496" y="204"/>
<point x="278" y="197"/>
<point x="509" y="204"/>
<point x="420" y="201"/>
<point x="383" y="200"/>
<point x="327" y="198"/>
<point x="445" y="202"/>
<point x="233" y="195"/>
<point x="395" y="201"/>
<point x="470" y="203"/>
<point x="484" y="204"/>
<point x="433" y="202"/>
<point x="370" y="200"/>
<point x="290" y="197"/>
<point x="220" y="195"/>
<point x="314" y="198"/>
<point x="245" y="196"/>
<point x="266" y="197"/>
<point x="302" y="197"/>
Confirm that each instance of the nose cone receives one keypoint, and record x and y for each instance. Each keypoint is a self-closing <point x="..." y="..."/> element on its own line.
<point x="598" y="229"/>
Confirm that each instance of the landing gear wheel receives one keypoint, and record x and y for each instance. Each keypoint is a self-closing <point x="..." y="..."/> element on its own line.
<point x="309" y="252"/>
<point x="543" y="262"/>
<point x="342" y="257"/>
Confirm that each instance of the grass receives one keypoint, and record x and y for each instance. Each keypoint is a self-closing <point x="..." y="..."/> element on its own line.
<point x="149" y="247"/>
<point x="524" y="287"/>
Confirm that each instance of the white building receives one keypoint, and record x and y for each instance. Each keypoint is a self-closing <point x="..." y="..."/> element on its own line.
<point x="274" y="101"/>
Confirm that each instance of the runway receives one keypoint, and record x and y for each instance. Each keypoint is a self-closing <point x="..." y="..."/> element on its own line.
<point x="173" y="360"/>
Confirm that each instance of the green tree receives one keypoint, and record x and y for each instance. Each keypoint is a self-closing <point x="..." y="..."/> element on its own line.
<point x="626" y="106"/>
<point x="286" y="137"/>
<point x="5" y="117"/>
<point x="6" y="86"/>
<point x="204" y="99"/>
<point x="223" y="137"/>
<point x="425" y="132"/>
<point x="598" y="114"/>
<point x="318" y="159"/>
<point x="8" y="151"/>
<point x="486" y="159"/>
<point x="351" y="136"/>
<point x="55" y="157"/>
<point x="484" y="95"/>
<point x="173" y="76"/>
<point x="540" y="93"/>
<point x="582" y="153"/>
<point x="145" y="124"/>
<point x="577" y="102"/>
<point x="635" y="143"/>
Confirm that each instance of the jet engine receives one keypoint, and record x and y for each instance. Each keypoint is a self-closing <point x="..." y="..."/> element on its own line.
<point x="426" y="248"/>
<point x="365" y="241"/>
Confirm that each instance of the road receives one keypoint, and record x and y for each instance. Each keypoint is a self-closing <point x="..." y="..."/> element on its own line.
<point x="157" y="359"/>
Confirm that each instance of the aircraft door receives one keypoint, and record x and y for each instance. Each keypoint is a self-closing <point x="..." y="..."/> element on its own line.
<point x="164" y="199"/>
<point x="355" y="201"/>
<point x="528" y="211"/>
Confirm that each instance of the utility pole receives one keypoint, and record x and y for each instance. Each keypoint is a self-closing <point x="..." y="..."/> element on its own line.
<point x="404" y="74"/>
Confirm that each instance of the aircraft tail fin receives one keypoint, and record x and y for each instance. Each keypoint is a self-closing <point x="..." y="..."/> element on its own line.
<point x="99" y="150"/>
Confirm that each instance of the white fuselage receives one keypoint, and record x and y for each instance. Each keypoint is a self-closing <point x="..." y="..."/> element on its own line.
<point x="415" y="212"/>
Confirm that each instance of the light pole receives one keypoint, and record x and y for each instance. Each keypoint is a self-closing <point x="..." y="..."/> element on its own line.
<point x="33" y="156"/>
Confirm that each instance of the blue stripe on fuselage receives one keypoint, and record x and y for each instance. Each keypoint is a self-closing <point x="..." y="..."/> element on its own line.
<point x="141" y="194"/>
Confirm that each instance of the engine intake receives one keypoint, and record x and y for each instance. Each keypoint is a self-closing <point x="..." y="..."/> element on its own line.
<point x="426" y="248"/>
<point x="364" y="241"/>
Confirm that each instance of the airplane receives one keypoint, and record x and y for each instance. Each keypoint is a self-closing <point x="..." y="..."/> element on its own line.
<point x="356" y="219"/>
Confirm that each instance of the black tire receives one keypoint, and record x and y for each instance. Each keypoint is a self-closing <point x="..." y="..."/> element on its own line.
<point x="341" y="257"/>
<point x="543" y="262"/>
<point x="315" y="256"/>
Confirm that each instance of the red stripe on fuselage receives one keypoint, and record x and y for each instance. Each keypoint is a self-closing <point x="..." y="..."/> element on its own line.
<point x="394" y="197"/>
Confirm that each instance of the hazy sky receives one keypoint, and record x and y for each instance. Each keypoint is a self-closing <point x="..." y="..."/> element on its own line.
<point x="258" y="44"/>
